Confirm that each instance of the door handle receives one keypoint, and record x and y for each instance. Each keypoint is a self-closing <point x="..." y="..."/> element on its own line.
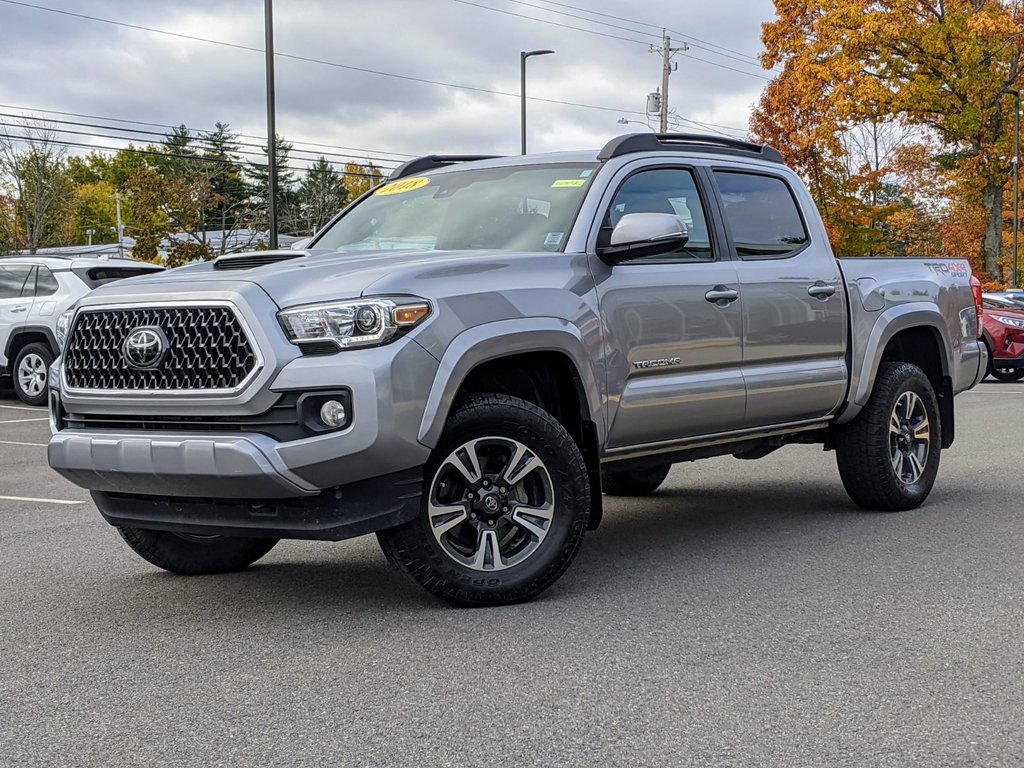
<point x="722" y="295"/>
<point x="19" y="309"/>
<point x="821" y="291"/>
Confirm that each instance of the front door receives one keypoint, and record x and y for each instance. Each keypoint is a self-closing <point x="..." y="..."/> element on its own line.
<point x="673" y="322"/>
<point x="14" y="306"/>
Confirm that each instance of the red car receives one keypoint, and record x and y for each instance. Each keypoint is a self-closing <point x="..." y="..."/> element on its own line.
<point x="1004" y="336"/>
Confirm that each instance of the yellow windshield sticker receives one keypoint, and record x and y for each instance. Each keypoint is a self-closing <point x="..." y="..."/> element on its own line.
<point x="569" y="183"/>
<point x="405" y="185"/>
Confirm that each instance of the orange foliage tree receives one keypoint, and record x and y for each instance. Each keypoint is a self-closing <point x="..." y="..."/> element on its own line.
<point x="944" y="65"/>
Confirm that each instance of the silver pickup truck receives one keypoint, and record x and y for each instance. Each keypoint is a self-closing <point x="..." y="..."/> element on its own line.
<point x="469" y="355"/>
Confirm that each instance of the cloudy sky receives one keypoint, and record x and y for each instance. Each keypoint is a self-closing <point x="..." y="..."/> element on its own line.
<point x="384" y="81"/>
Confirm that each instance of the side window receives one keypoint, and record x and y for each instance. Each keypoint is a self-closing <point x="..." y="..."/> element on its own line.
<point x="761" y="214"/>
<point x="664" y="190"/>
<point x="46" y="283"/>
<point x="12" y="279"/>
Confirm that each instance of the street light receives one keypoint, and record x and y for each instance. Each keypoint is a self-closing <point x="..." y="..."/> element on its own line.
<point x="624" y="121"/>
<point x="523" y="56"/>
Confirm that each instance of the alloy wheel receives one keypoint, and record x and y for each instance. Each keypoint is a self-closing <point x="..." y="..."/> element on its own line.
<point x="909" y="438"/>
<point x="32" y="374"/>
<point x="491" y="504"/>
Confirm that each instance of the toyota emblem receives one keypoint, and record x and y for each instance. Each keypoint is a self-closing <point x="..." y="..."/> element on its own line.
<point x="145" y="347"/>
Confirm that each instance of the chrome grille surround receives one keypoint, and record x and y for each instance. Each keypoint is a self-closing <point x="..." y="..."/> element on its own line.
<point x="211" y="350"/>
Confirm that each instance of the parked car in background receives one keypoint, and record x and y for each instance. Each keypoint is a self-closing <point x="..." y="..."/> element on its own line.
<point x="1002" y="298"/>
<point x="1003" y="331"/>
<point x="34" y="292"/>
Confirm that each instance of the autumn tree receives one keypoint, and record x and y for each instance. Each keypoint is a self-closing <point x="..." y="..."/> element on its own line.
<point x="34" y="173"/>
<point x="321" y="194"/>
<point x="359" y="179"/>
<point x="942" y="64"/>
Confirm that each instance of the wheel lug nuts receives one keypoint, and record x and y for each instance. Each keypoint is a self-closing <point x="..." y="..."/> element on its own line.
<point x="472" y="515"/>
<point x="505" y="508"/>
<point x="490" y="522"/>
<point x="503" y="489"/>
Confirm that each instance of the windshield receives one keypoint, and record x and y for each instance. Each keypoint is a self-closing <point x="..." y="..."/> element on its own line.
<point x="518" y="208"/>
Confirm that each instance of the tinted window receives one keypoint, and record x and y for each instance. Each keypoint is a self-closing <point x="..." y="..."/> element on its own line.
<point x="664" y="190"/>
<point x="12" y="279"/>
<point x="46" y="283"/>
<point x="761" y="214"/>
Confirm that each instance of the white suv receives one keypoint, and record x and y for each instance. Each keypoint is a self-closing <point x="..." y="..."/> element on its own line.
<point x="34" y="292"/>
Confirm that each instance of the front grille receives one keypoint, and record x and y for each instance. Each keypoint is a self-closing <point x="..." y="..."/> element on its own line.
<point x="280" y="422"/>
<point x="207" y="350"/>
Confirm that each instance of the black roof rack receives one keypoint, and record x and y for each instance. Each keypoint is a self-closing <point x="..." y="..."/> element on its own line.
<point x="430" y="162"/>
<point x="693" y="142"/>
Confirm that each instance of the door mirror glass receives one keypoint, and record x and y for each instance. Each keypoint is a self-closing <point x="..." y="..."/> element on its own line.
<point x="644" y="234"/>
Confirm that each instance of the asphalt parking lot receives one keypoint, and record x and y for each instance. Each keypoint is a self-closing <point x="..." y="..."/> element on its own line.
<point x="746" y="615"/>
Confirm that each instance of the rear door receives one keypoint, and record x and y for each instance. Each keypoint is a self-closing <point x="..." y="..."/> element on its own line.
<point x="794" y="302"/>
<point x="14" y="303"/>
<point x="674" y="350"/>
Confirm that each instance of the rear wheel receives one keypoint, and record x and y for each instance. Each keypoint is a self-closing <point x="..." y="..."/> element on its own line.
<point x="888" y="455"/>
<point x="638" y="482"/>
<point x="194" y="554"/>
<point x="505" y="505"/>
<point x="31" y="368"/>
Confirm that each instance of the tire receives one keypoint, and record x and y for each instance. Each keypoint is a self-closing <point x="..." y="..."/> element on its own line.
<point x="638" y="482"/>
<point x="194" y="555"/>
<point x="1005" y="374"/>
<point x="452" y="549"/>
<point x="31" y="372"/>
<point x="874" y="457"/>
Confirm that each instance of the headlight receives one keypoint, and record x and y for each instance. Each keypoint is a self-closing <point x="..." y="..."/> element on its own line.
<point x="356" y="323"/>
<point x="63" y="326"/>
<point x="1013" y="322"/>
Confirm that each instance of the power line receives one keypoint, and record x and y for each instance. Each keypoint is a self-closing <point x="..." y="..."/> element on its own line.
<point x="308" y="59"/>
<point x="743" y="59"/>
<point x="595" y="32"/>
<point x="198" y="138"/>
<point x="358" y="150"/>
<point x="155" y="153"/>
<point x="653" y="26"/>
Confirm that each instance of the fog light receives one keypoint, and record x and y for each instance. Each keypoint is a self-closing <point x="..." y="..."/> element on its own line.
<point x="332" y="414"/>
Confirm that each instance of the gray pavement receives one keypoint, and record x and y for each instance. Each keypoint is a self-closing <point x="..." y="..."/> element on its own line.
<point x="746" y="615"/>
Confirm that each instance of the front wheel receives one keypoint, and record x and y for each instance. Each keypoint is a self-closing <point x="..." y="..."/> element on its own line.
<point x="505" y="505"/>
<point x="1005" y="374"/>
<point x="31" y="368"/>
<point x="191" y="554"/>
<point x="888" y="455"/>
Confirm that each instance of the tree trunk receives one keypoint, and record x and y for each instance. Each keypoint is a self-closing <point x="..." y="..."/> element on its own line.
<point x="992" y="199"/>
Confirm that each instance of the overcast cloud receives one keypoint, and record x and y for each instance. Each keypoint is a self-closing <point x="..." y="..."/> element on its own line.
<point x="57" y="62"/>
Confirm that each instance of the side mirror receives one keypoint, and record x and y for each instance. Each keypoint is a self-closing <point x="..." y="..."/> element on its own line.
<point x="300" y="244"/>
<point x="644" y="234"/>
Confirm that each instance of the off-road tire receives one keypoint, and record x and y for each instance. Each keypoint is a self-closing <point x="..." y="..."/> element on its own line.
<point x="413" y="549"/>
<point x="863" y="450"/>
<point x="637" y="482"/>
<point x="191" y="555"/>
<point x="42" y="352"/>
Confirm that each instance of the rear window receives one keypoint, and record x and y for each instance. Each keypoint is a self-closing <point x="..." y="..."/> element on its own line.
<point x="761" y="214"/>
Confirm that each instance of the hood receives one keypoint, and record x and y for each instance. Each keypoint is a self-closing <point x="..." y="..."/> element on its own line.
<point x="307" y="277"/>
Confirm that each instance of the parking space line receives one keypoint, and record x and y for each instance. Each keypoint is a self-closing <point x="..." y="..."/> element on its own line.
<point x="23" y="408"/>
<point x="16" y="442"/>
<point x="22" y="421"/>
<point x="40" y="501"/>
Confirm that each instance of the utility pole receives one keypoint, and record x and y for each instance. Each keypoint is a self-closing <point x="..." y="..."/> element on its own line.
<point x="268" y="7"/>
<point x="666" y="50"/>
<point x="120" y="229"/>
<point x="523" y="56"/>
<point x="1016" y="183"/>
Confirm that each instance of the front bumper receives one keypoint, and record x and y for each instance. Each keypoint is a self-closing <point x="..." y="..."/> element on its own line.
<point x="339" y="513"/>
